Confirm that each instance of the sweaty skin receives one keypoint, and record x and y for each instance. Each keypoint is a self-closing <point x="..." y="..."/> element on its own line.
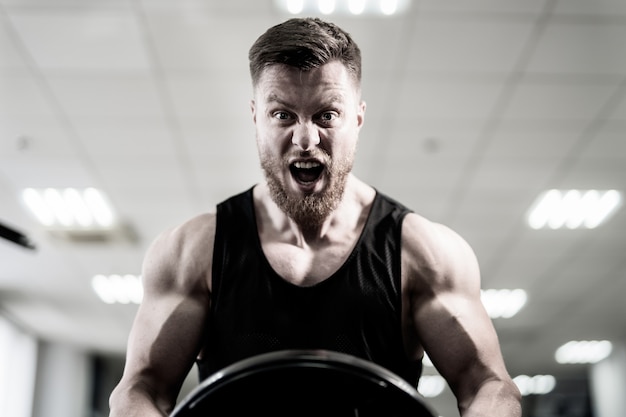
<point x="314" y="118"/>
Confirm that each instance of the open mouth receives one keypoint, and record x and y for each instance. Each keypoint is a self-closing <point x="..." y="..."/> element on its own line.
<point x="306" y="172"/>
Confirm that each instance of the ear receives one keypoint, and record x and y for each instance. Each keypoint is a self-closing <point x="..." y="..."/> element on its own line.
<point x="253" y="110"/>
<point x="360" y="115"/>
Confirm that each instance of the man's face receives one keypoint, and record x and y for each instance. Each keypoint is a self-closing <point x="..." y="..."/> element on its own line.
<point x="307" y="126"/>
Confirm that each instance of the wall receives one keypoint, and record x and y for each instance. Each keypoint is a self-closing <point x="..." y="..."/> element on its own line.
<point x="608" y="384"/>
<point x="63" y="385"/>
<point x="18" y="358"/>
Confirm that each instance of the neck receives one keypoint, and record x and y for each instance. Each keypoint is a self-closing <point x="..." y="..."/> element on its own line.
<point x="348" y="215"/>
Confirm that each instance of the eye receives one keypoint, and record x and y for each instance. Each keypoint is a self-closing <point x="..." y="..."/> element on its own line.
<point x="281" y="115"/>
<point x="328" y="117"/>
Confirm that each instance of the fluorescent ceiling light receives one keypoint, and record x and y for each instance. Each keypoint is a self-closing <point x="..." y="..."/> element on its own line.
<point x="389" y="7"/>
<point x="343" y="7"/>
<point x="326" y="6"/>
<point x="426" y="361"/>
<point x="584" y="351"/>
<point x="503" y="303"/>
<point x="294" y="6"/>
<point x="69" y="207"/>
<point x="118" y="289"/>
<point x="535" y="385"/>
<point x="431" y="385"/>
<point x="573" y="209"/>
<point x="356" y="7"/>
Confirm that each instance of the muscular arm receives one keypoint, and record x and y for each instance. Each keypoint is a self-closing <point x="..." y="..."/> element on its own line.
<point x="447" y="318"/>
<point x="168" y="328"/>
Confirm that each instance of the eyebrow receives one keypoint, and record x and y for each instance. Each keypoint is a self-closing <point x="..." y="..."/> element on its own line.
<point x="273" y="98"/>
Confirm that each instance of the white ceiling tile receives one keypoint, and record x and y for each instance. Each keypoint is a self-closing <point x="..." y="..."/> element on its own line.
<point x="121" y="96"/>
<point x="217" y="97"/>
<point x="209" y="41"/>
<point x="382" y="49"/>
<point x="598" y="173"/>
<point x="229" y="8"/>
<point x="466" y="44"/>
<point x="602" y="256"/>
<point x="619" y="112"/>
<point x="482" y="6"/>
<point x="596" y="7"/>
<point x="383" y="133"/>
<point x="567" y="101"/>
<point x="227" y="180"/>
<point x="151" y="221"/>
<point x="136" y="137"/>
<point x="548" y="143"/>
<point x="210" y="136"/>
<point x="127" y="171"/>
<point x="378" y="92"/>
<point x="33" y="135"/>
<point x="75" y="39"/>
<point x="434" y="140"/>
<point x="10" y="56"/>
<point x="435" y="100"/>
<point x="150" y="210"/>
<point x="40" y="172"/>
<point x="64" y="4"/>
<point x="22" y="95"/>
<point x="15" y="215"/>
<point x="533" y="254"/>
<point x="420" y="173"/>
<point x="514" y="173"/>
<point x="429" y="202"/>
<point x="47" y="159"/>
<point x="581" y="49"/>
<point x="482" y="209"/>
<point x="607" y="143"/>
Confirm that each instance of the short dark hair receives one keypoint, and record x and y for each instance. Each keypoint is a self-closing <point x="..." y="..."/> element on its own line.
<point x="304" y="43"/>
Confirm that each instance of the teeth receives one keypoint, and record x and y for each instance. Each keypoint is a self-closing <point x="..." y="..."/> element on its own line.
<point x="306" y="165"/>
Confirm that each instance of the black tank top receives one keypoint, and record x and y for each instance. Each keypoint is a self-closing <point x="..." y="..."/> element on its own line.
<point x="357" y="310"/>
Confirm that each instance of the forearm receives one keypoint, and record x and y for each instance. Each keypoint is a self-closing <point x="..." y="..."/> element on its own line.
<point x="494" y="399"/>
<point x="134" y="402"/>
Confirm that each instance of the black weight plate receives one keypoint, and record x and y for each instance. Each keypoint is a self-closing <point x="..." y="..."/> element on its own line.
<point x="303" y="383"/>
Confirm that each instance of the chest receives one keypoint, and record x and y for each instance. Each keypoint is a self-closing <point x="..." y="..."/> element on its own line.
<point x="306" y="266"/>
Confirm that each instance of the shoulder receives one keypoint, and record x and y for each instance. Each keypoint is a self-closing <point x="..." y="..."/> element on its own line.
<point x="181" y="257"/>
<point x="436" y="256"/>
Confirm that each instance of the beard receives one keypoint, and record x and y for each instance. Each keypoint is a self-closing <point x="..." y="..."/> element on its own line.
<point x="308" y="211"/>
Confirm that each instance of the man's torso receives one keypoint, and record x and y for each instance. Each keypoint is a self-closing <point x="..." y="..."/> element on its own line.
<point x="353" y="305"/>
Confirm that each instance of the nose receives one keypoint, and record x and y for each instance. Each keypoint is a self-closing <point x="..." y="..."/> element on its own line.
<point x="305" y="136"/>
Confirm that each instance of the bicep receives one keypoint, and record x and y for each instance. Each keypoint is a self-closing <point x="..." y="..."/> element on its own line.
<point x="449" y="318"/>
<point x="168" y="329"/>
<point x="163" y="343"/>
<point x="459" y="339"/>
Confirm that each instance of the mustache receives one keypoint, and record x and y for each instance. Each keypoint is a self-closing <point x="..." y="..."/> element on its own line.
<point x="315" y="153"/>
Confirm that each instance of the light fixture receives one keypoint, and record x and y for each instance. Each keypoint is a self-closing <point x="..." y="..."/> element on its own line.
<point x="426" y="361"/>
<point x="356" y="7"/>
<point x="70" y="208"/>
<point x="122" y="289"/>
<point x="431" y="385"/>
<point x="294" y="6"/>
<point x="573" y="209"/>
<point x="535" y="385"/>
<point x="583" y="351"/>
<point x="343" y="7"/>
<point x="326" y="6"/>
<point x="503" y="303"/>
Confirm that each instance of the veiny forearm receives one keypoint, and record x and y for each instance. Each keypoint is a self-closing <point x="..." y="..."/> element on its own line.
<point x="494" y="399"/>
